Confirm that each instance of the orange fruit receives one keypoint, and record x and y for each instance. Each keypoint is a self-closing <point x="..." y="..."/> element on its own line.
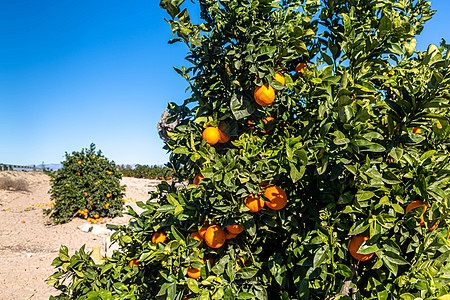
<point x="229" y="236"/>
<point x="223" y="137"/>
<point x="194" y="272"/>
<point x="255" y="204"/>
<point x="78" y="174"/>
<point x="197" y="179"/>
<point x="79" y="162"/>
<point x="414" y="204"/>
<point x="235" y="229"/>
<point x="211" y="135"/>
<point x="238" y="261"/>
<point x="159" y="237"/>
<point x="96" y="216"/>
<point x="215" y="237"/>
<point x="416" y="130"/>
<point x="264" y="95"/>
<point x="202" y="232"/>
<point x="266" y="120"/>
<point x="196" y="236"/>
<point x="356" y="242"/>
<point x="300" y="68"/>
<point x="280" y="78"/>
<point x="134" y="262"/>
<point x="277" y="197"/>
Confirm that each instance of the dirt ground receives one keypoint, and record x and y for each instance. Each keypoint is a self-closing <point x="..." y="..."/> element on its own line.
<point x="28" y="243"/>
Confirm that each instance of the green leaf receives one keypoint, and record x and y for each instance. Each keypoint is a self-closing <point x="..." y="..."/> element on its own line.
<point x="181" y="150"/>
<point x="193" y="285"/>
<point x="394" y="258"/>
<point x="106" y="268"/>
<point x="344" y="270"/>
<point x="245" y="295"/>
<point x="295" y="173"/>
<point x="126" y="239"/>
<point x="246" y="273"/>
<point x="241" y="107"/>
<point x="177" y="235"/>
<point x="320" y="256"/>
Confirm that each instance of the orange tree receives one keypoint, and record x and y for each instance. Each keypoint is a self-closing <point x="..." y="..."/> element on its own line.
<point x="144" y="171"/>
<point x="318" y="139"/>
<point x="88" y="185"/>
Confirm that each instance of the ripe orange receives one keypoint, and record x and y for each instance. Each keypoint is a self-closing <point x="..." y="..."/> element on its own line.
<point x="223" y="137"/>
<point x="230" y="236"/>
<point x="159" y="237"/>
<point x="255" y="204"/>
<point x="356" y="242"/>
<point x="300" y="68"/>
<point x="215" y="237"/>
<point x="264" y="95"/>
<point x="196" y="236"/>
<point x="266" y="120"/>
<point x="96" y="216"/>
<point x="202" y="232"/>
<point x="235" y="229"/>
<point x="79" y="162"/>
<point x="416" y="130"/>
<point x="134" y="262"/>
<point x="414" y="204"/>
<point x="197" y="179"/>
<point x="277" y="197"/>
<point x="194" y="272"/>
<point x="280" y="78"/>
<point x="211" y="135"/>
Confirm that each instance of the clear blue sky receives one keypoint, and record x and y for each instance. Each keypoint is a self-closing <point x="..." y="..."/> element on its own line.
<point x="76" y="72"/>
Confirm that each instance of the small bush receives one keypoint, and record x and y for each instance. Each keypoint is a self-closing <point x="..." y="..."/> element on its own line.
<point x="88" y="185"/>
<point x="10" y="184"/>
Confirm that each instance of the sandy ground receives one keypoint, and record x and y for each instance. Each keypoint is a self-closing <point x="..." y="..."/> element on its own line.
<point x="27" y="249"/>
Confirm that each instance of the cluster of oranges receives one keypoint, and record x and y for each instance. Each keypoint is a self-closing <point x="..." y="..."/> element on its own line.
<point x="277" y="198"/>
<point x="357" y="241"/>
<point x="264" y="95"/>
<point x="95" y="219"/>
<point x="213" y="235"/>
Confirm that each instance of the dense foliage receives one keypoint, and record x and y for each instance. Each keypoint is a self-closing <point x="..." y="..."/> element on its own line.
<point x="149" y="172"/>
<point x="87" y="186"/>
<point x="358" y="131"/>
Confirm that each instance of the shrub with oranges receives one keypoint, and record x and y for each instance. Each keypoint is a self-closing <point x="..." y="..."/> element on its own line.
<point x="309" y="180"/>
<point x="87" y="186"/>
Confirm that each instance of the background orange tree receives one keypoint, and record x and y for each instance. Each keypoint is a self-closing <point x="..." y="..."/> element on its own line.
<point x="87" y="186"/>
<point x="357" y="131"/>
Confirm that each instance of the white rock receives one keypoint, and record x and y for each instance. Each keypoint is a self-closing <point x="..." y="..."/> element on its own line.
<point x="99" y="230"/>
<point x="85" y="227"/>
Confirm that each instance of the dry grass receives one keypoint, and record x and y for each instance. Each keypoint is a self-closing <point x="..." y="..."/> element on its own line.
<point x="10" y="184"/>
